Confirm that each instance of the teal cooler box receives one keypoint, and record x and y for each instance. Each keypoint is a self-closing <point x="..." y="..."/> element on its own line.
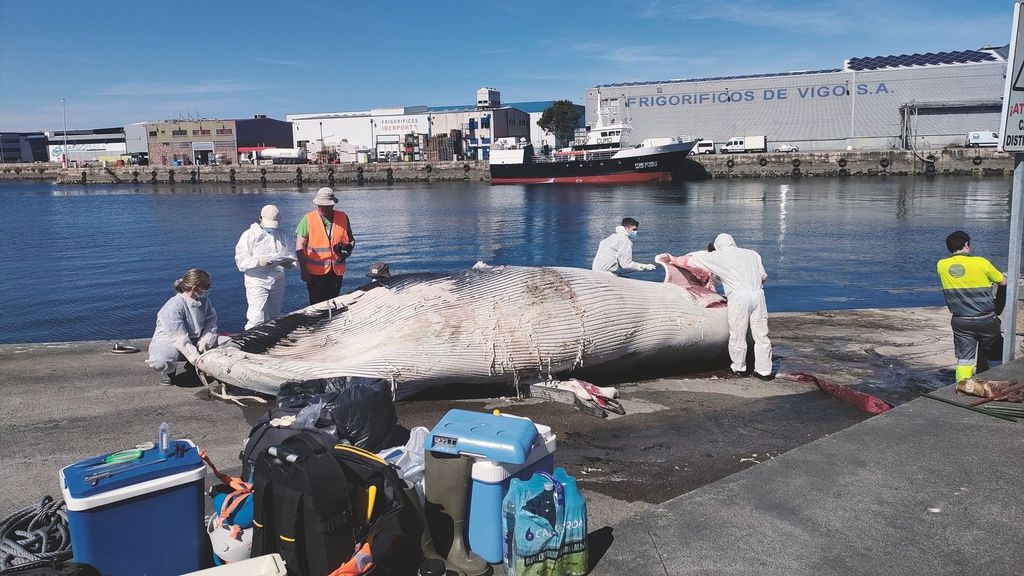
<point x="143" y="519"/>
<point x="502" y="447"/>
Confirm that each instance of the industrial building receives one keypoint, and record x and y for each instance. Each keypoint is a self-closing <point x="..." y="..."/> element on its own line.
<point x="383" y="132"/>
<point x="22" y="147"/>
<point x="78" y="147"/>
<point x="910" y="101"/>
<point x="212" y="141"/>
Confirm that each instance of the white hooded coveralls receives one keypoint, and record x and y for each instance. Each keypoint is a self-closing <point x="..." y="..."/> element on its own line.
<point x="181" y="325"/>
<point x="615" y="254"/>
<point x="742" y="276"/>
<point x="264" y="285"/>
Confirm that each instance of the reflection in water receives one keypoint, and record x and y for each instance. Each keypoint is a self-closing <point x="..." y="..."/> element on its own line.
<point x="827" y="243"/>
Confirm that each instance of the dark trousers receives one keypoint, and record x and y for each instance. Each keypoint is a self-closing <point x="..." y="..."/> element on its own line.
<point x="977" y="338"/>
<point x="323" y="287"/>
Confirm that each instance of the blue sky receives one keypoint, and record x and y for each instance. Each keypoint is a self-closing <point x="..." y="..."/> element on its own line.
<point x="123" y="62"/>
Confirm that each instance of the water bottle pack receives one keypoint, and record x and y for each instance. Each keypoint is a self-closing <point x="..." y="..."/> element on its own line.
<point x="544" y="525"/>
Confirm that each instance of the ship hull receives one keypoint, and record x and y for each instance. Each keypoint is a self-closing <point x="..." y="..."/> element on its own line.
<point x="661" y="167"/>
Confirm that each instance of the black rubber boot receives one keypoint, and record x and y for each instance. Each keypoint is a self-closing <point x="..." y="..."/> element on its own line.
<point x="448" y="484"/>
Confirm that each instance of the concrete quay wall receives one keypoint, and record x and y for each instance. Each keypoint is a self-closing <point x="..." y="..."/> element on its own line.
<point x="985" y="162"/>
<point x="947" y="162"/>
<point x="313" y="174"/>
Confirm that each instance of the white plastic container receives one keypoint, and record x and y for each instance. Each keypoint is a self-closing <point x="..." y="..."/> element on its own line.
<point x="490" y="484"/>
<point x="269" y="565"/>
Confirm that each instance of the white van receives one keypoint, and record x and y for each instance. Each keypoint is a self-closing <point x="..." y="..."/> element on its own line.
<point x="703" y="147"/>
<point x="981" y="139"/>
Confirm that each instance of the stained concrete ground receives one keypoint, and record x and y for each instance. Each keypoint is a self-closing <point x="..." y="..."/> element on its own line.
<point x="65" y="402"/>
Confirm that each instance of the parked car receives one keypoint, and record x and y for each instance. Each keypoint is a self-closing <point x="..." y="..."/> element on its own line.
<point x="786" y="148"/>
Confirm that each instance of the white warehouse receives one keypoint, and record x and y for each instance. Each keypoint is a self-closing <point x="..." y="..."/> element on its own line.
<point x="382" y="131"/>
<point x="907" y="101"/>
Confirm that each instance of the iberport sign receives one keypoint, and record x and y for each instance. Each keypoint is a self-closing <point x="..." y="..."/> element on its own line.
<point x="1013" y="93"/>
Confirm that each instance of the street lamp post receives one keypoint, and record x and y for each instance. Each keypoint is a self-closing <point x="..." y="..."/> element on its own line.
<point x="67" y="157"/>
<point x="321" y="142"/>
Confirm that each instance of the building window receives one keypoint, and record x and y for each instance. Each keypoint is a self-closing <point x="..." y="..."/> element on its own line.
<point x="179" y="132"/>
<point x="200" y="132"/>
<point x="152" y="133"/>
<point x="223" y="131"/>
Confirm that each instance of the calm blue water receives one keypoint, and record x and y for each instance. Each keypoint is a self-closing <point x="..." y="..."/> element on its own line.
<point x="97" y="262"/>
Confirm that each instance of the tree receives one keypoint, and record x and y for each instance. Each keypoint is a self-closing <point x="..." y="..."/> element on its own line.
<point x="560" y="119"/>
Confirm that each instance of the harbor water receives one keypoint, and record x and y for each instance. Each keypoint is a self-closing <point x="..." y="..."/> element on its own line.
<point x="97" y="262"/>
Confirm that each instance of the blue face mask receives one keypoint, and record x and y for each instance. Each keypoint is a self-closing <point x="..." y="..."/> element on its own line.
<point x="267" y="230"/>
<point x="632" y="234"/>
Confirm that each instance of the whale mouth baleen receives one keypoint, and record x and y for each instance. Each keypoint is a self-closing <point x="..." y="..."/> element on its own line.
<point x="491" y="325"/>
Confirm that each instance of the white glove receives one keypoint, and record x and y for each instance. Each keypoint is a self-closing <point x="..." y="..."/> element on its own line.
<point x="207" y="342"/>
<point x="265" y="261"/>
<point x="647" y="267"/>
<point x="191" y="354"/>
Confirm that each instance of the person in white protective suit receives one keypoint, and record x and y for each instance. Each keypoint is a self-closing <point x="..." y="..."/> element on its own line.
<point x="743" y="276"/>
<point x="186" y="325"/>
<point x="262" y="253"/>
<point x="615" y="253"/>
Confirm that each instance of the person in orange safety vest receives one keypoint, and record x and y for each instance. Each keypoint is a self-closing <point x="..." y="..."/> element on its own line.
<point x="323" y="241"/>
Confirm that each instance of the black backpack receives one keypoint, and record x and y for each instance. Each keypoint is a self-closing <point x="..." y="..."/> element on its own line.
<point x="316" y="505"/>
<point x="357" y="411"/>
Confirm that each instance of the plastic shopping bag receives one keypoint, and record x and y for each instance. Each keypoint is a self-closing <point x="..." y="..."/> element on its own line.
<point x="544" y="524"/>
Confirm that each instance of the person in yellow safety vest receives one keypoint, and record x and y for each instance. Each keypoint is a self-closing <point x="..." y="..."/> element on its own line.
<point x="323" y="241"/>
<point x="967" y="285"/>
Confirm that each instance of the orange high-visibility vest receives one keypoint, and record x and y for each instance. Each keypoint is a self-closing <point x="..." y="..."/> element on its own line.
<point x="319" y="258"/>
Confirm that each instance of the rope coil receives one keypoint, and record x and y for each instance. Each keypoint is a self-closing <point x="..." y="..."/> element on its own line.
<point x="35" y="533"/>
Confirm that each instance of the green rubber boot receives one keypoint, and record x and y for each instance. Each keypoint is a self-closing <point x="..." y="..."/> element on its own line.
<point x="448" y="483"/>
<point x="426" y="541"/>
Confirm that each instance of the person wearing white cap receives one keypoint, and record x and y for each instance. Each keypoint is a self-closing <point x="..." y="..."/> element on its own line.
<point x="323" y="241"/>
<point x="262" y="254"/>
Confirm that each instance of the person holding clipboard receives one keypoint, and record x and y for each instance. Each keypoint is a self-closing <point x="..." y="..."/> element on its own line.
<point x="262" y="254"/>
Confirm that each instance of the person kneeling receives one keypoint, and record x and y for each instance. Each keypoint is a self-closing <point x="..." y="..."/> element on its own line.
<point x="186" y="325"/>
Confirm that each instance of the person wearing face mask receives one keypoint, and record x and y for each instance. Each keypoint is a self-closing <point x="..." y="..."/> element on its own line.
<point x="261" y="254"/>
<point x="323" y="241"/>
<point x="186" y="326"/>
<point x="742" y="275"/>
<point x="615" y="253"/>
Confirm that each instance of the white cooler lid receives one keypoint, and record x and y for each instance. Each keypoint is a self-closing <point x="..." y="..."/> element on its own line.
<point x="495" y="472"/>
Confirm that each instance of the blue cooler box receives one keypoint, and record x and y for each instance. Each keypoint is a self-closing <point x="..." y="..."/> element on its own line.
<point x="146" y="520"/>
<point x="502" y="447"/>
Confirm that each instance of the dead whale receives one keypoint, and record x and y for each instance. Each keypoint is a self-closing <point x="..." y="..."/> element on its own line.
<point x="502" y="324"/>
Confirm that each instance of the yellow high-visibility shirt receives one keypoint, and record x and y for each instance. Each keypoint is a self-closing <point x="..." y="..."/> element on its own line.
<point x="967" y="284"/>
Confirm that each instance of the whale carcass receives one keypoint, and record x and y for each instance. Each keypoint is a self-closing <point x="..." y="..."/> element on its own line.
<point x="502" y="324"/>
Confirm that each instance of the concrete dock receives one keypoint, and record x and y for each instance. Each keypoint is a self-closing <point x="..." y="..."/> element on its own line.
<point x="705" y="474"/>
<point x="977" y="162"/>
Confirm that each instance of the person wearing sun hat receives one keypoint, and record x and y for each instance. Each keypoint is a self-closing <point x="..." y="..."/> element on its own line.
<point x="261" y="254"/>
<point x="323" y="241"/>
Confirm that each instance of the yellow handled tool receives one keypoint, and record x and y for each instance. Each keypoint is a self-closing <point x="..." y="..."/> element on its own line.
<point x="371" y="497"/>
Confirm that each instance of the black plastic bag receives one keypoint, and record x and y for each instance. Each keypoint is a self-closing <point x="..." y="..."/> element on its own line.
<point x="359" y="411"/>
<point x="298" y="394"/>
<point x="364" y="413"/>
